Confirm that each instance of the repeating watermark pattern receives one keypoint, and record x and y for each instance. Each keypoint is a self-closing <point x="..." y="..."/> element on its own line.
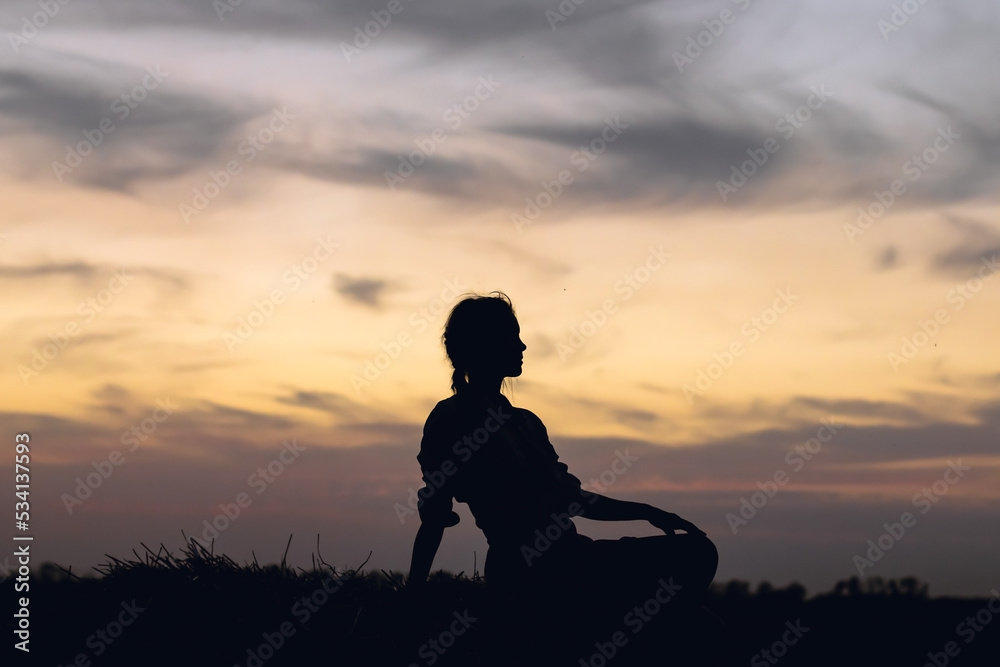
<point x="259" y="480"/>
<point x="561" y="523"/>
<point x="223" y="7"/>
<point x="88" y="309"/>
<point x="972" y="625"/>
<point x="714" y="27"/>
<point x="139" y="433"/>
<point x="787" y="125"/>
<point x="926" y="330"/>
<point x="913" y="169"/>
<point x="894" y="532"/>
<point x="797" y="457"/>
<point x="899" y="17"/>
<point x="626" y="287"/>
<point x="635" y="620"/>
<point x="264" y="308"/>
<point x="302" y="610"/>
<point x="419" y="320"/>
<point x="463" y="449"/>
<point x="246" y="152"/>
<point x="454" y="116"/>
<point x="432" y="650"/>
<point x="779" y="648"/>
<point x="967" y="629"/>
<point x="122" y="107"/>
<point x="623" y="461"/>
<point x="752" y="329"/>
<point x="582" y="158"/>
<point x="566" y="9"/>
<point x="35" y="23"/>
<point x="363" y="36"/>
<point x="103" y="638"/>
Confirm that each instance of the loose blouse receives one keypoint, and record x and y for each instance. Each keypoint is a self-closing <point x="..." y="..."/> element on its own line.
<point x="497" y="459"/>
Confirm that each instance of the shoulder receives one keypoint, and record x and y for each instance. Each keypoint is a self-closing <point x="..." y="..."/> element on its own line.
<point x="448" y="420"/>
<point x="443" y="418"/>
<point x="530" y="419"/>
<point x="445" y="412"/>
<point x="454" y="414"/>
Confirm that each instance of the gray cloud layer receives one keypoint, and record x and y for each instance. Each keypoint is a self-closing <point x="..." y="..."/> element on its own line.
<point x="687" y="128"/>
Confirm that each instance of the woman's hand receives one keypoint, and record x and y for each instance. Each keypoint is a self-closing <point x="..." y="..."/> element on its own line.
<point x="669" y="523"/>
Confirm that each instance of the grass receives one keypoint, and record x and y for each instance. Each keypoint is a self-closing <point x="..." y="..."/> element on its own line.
<point x="196" y="607"/>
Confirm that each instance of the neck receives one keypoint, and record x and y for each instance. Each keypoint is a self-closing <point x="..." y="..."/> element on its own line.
<point x="485" y="386"/>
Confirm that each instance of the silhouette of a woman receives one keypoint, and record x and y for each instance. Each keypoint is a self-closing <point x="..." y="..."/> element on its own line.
<point x="479" y="449"/>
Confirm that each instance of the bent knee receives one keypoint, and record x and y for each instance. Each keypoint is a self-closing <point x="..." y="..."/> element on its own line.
<point x="703" y="558"/>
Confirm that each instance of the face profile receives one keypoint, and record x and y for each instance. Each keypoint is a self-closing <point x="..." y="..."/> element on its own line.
<point x="509" y="351"/>
<point x="483" y="343"/>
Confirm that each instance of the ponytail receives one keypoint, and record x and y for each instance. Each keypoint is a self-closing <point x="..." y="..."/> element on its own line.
<point x="458" y="381"/>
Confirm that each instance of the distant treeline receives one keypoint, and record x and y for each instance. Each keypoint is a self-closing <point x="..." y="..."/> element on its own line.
<point x="199" y="608"/>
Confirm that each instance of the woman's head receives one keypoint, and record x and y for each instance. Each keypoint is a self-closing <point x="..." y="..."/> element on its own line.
<point x="482" y="339"/>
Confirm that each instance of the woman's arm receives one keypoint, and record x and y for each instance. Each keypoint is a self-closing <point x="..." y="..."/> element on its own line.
<point x="435" y="499"/>
<point x="602" y="508"/>
<point x="425" y="547"/>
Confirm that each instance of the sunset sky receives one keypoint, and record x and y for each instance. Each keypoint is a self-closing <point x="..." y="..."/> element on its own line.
<point x="723" y="225"/>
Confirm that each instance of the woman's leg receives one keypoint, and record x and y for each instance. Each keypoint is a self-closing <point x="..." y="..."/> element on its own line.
<point x="686" y="564"/>
<point x="613" y="596"/>
<point x="645" y="594"/>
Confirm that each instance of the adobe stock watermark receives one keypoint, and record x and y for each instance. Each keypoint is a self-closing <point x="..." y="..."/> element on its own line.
<point x="264" y="308"/>
<point x="432" y="650"/>
<point x="581" y="158"/>
<point x="122" y="106"/>
<point x="926" y="330"/>
<point x="635" y="620"/>
<point x="752" y="330"/>
<point x="463" y="449"/>
<point x="796" y="458"/>
<point x="102" y="638"/>
<point x="302" y="610"/>
<point x="623" y="461"/>
<point x="626" y="287"/>
<point x="779" y="649"/>
<point x="894" y="532"/>
<point x="566" y="9"/>
<point x="363" y="37"/>
<point x="246" y="152"/>
<point x="88" y="309"/>
<point x="714" y="27"/>
<point x="223" y="7"/>
<point x="968" y="630"/>
<point x="33" y="24"/>
<point x="787" y="125"/>
<point x="561" y="523"/>
<point x="137" y="434"/>
<point x="259" y="480"/>
<point x="913" y="169"/>
<point x="899" y="17"/>
<point x="454" y="116"/>
<point x="418" y="321"/>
